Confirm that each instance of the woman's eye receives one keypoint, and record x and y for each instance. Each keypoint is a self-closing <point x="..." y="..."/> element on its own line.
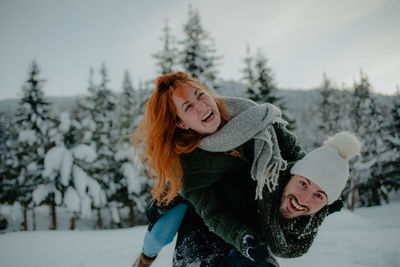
<point x="201" y="94"/>
<point x="188" y="107"/>
<point x="319" y="196"/>
<point x="303" y="183"/>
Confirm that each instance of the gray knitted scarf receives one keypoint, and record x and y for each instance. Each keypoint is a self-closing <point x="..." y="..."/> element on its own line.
<point x="251" y="120"/>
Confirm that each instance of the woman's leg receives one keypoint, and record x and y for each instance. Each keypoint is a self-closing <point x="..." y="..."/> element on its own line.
<point x="164" y="230"/>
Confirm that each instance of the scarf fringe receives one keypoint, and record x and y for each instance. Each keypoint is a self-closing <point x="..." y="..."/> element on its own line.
<point x="270" y="178"/>
<point x="250" y="120"/>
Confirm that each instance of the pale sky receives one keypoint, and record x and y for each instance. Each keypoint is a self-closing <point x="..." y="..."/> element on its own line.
<point x="302" y="39"/>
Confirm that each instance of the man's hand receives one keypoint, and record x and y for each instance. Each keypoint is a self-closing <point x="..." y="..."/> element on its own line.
<point x="335" y="206"/>
<point x="253" y="249"/>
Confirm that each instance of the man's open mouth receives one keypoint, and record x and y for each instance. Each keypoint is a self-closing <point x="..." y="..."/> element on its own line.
<point x="294" y="206"/>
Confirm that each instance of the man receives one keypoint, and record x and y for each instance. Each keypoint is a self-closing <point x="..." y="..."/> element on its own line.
<point x="289" y="216"/>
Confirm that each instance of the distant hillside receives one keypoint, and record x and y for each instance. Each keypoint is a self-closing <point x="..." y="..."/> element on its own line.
<point x="300" y="106"/>
<point x="296" y="101"/>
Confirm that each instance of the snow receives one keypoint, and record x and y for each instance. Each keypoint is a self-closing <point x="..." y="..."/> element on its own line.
<point x="31" y="167"/>
<point x="86" y="207"/>
<point x="85" y="153"/>
<point x="28" y="136"/>
<point x="114" y="212"/>
<point x="58" y="160"/>
<point x="134" y="184"/>
<point x="366" y="237"/>
<point x="16" y="212"/>
<point x="80" y="180"/>
<point x="97" y="194"/>
<point x="65" y="122"/>
<point x="72" y="200"/>
<point x="83" y="182"/>
<point x="41" y="192"/>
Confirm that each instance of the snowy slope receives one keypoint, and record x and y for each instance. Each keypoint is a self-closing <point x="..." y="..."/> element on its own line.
<point x="367" y="237"/>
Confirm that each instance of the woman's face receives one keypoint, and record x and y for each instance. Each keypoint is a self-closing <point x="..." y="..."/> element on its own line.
<point x="196" y="109"/>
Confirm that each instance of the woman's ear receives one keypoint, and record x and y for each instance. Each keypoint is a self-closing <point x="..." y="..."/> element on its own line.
<point x="182" y="125"/>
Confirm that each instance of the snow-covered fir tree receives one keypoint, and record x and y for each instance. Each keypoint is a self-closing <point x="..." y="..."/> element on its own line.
<point x="365" y="185"/>
<point x="8" y="144"/>
<point x="32" y="123"/>
<point x="389" y="173"/>
<point x="261" y="86"/>
<point x="249" y="76"/>
<point x="12" y="187"/>
<point x="198" y="53"/>
<point x="332" y="111"/>
<point x="167" y="58"/>
<point x="96" y="114"/>
<point x="129" y="106"/>
<point x="64" y="171"/>
<point x="131" y="188"/>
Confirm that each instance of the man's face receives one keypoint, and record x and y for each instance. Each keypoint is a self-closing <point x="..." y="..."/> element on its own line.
<point x="301" y="197"/>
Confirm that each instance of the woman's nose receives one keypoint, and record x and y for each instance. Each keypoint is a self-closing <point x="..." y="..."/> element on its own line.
<point x="200" y="106"/>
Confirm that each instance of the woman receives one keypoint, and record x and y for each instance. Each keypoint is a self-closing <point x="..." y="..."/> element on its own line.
<point x="218" y="169"/>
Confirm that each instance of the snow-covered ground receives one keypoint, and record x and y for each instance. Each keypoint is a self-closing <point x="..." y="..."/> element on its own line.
<point x="367" y="237"/>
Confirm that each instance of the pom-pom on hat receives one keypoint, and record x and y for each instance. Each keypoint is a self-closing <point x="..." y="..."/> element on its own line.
<point x="327" y="166"/>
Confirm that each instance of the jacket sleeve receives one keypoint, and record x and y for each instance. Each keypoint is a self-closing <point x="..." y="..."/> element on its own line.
<point x="216" y="217"/>
<point x="290" y="148"/>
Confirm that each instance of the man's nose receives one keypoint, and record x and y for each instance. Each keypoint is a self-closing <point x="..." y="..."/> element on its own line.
<point x="304" y="197"/>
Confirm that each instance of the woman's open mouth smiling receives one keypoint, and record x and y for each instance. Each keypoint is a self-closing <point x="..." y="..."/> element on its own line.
<point x="208" y="117"/>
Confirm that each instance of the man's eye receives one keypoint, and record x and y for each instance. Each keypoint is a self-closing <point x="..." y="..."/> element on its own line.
<point x="320" y="196"/>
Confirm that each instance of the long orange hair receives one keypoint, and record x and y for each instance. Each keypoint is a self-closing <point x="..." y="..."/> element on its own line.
<point x="160" y="141"/>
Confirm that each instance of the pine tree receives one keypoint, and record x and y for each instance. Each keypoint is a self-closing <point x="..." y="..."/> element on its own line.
<point x="261" y="85"/>
<point x="389" y="172"/>
<point x="32" y="125"/>
<point x="198" y="55"/>
<point x="56" y="175"/>
<point x="265" y="82"/>
<point x="249" y="76"/>
<point x="103" y="118"/>
<point x="129" y="112"/>
<point x="166" y="60"/>
<point x="64" y="173"/>
<point x="331" y="110"/>
<point x="365" y="183"/>
<point x="96" y="114"/>
<point x="8" y="142"/>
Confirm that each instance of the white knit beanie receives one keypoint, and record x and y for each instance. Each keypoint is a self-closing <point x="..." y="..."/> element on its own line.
<point x="327" y="166"/>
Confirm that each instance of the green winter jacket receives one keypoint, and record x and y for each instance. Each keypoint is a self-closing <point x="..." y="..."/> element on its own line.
<point x="219" y="186"/>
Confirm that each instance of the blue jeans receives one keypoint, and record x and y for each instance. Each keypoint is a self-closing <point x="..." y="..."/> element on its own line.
<point x="164" y="230"/>
<point x="236" y="259"/>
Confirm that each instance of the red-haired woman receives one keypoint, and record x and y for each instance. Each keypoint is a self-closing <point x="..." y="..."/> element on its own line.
<point x="219" y="154"/>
